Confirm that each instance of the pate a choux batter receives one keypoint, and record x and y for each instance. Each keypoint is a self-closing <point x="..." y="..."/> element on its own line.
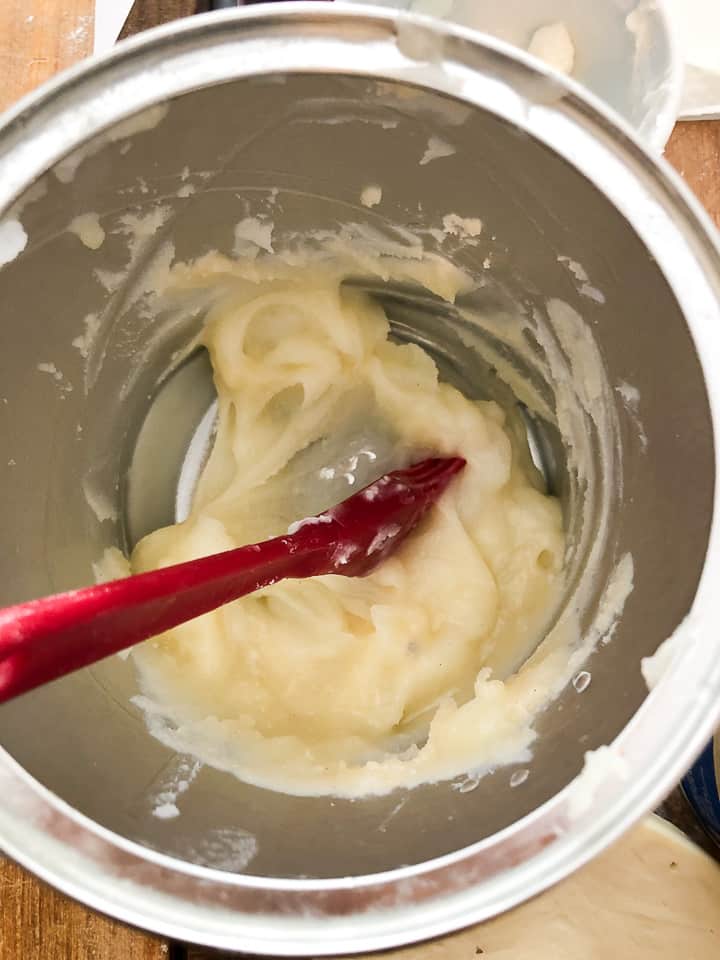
<point x="339" y="685"/>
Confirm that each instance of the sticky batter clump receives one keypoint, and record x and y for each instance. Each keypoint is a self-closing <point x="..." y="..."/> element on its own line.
<point x="338" y="685"/>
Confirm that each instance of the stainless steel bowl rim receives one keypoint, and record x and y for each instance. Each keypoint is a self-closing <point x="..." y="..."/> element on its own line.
<point x="303" y="917"/>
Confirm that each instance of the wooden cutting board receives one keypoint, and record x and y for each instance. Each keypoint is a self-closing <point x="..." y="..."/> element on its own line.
<point x="38" y="38"/>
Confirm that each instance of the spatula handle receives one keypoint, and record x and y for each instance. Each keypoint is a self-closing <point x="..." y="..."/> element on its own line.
<point x="44" y="639"/>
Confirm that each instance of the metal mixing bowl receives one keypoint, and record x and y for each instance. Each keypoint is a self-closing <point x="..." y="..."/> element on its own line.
<point x="318" y="102"/>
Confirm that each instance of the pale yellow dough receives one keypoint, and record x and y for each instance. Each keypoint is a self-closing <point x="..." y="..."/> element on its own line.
<point x="338" y="685"/>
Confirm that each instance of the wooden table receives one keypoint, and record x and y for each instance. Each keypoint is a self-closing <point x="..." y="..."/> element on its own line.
<point x="38" y="38"/>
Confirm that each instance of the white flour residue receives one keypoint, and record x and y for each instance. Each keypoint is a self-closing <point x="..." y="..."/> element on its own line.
<point x="50" y="369"/>
<point x="339" y="111"/>
<point x="225" y="848"/>
<point x="436" y="148"/>
<point x="630" y="397"/>
<point x="583" y="387"/>
<point x="253" y="234"/>
<point x="360" y="245"/>
<point x="186" y="190"/>
<point x="148" y="283"/>
<point x="87" y="227"/>
<point x="57" y="375"/>
<point x="582" y="281"/>
<point x="13" y="240"/>
<point x="140" y="123"/>
<point x="98" y="500"/>
<point x="348" y="118"/>
<point x="77" y="38"/>
<point x="66" y="169"/>
<point x="140" y="230"/>
<point x="601" y="766"/>
<point x="393" y="813"/>
<point x="155" y="277"/>
<point x="371" y="195"/>
<point x="84" y="341"/>
<point x="464" y="227"/>
<point x="110" y="279"/>
<point x="343" y="554"/>
<point x="618" y="588"/>
<point x="309" y="522"/>
<point x="575" y="367"/>
<point x="655" y="667"/>
<point x="175" y="780"/>
<point x="578" y="344"/>
<point x="382" y="536"/>
<point x="571" y="361"/>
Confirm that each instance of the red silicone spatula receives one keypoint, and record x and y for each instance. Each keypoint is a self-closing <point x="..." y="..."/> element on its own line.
<point x="44" y="639"/>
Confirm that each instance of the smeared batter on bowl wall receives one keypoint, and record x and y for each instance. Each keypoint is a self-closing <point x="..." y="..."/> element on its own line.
<point x="338" y="685"/>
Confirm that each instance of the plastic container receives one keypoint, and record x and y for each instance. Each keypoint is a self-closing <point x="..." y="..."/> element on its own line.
<point x="625" y="52"/>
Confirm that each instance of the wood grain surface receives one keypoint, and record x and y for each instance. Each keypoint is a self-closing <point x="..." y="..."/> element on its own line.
<point x="38" y="38"/>
<point x="694" y="150"/>
<point x="36" y="923"/>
